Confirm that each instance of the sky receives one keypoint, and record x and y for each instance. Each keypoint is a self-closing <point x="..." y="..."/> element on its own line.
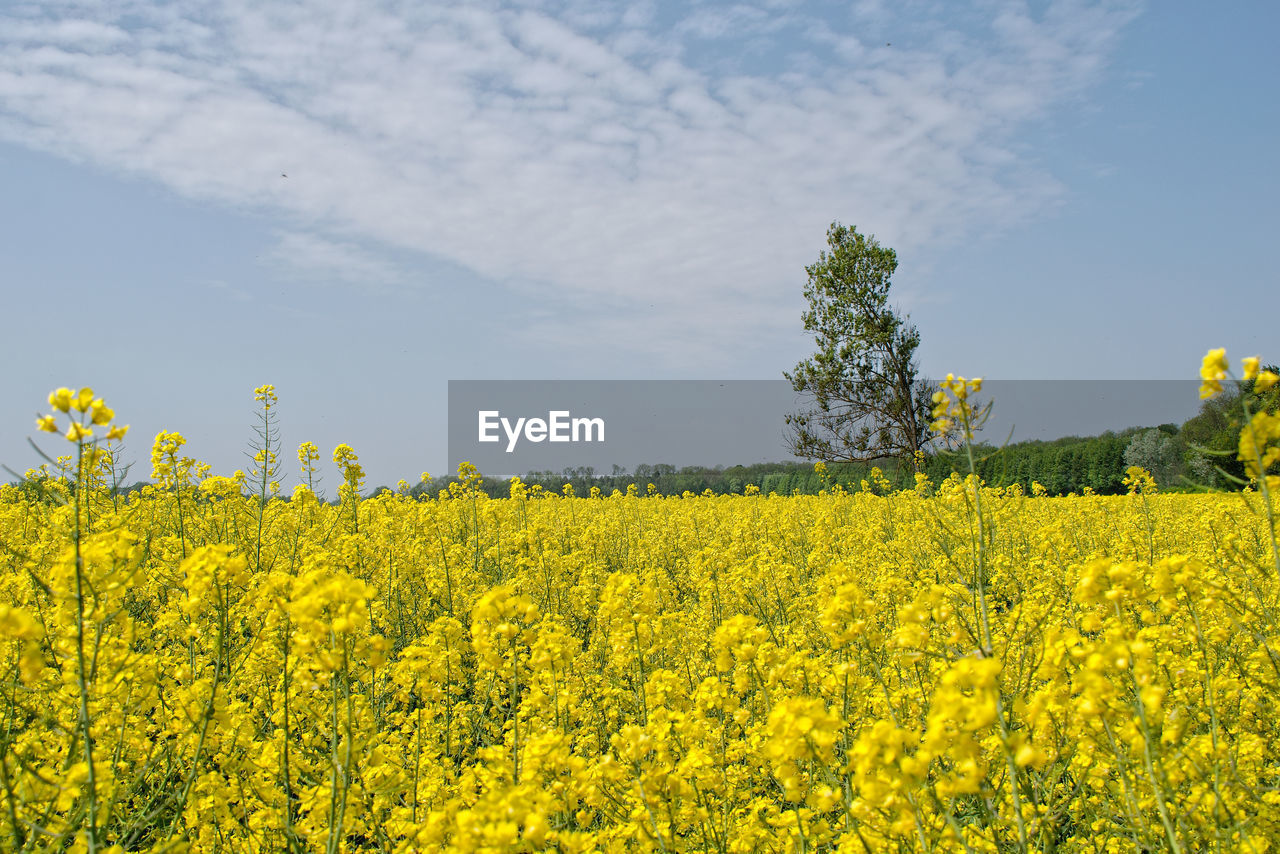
<point x="360" y="201"/>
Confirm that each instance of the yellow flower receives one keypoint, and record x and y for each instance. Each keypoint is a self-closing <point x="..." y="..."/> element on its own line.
<point x="1214" y="364"/>
<point x="117" y="433"/>
<point x="352" y="472"/>
<point x="1213" y="370"/>
<point x="1251" y="365"/>
<point x="78" y="432"/>
<point x="845" y="672"/>
<point x="83" y="400"/>
<point x="60" y="399"/>
<point x="16" y="623"/>
<point x="101" y="413"/>
<point x="802" y="727"/>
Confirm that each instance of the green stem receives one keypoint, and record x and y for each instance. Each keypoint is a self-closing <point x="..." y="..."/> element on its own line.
<point x="81" y="673"/>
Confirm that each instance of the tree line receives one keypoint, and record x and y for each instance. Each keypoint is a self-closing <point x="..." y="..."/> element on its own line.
<point x="1196" y="454"/>
<point x="1199" y="453"/>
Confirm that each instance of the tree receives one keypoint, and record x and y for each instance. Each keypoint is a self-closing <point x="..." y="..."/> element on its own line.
<point x="1158" y="453"/>
<point x="1212" y="437"/>
<point x="867" y="399"/>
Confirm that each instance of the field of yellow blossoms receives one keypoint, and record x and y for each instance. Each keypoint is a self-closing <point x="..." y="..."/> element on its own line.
<point x="205" y="666"/>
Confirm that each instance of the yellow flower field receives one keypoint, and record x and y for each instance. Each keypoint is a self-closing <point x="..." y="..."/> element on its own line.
<point x="206" y="667"/>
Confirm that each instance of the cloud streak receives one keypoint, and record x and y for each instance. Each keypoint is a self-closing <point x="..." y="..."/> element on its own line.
<point x="311" y="257"/>
<point x="607" y="157"/>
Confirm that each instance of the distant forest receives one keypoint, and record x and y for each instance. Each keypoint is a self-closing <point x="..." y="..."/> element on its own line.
<point x="1199" y="453"/>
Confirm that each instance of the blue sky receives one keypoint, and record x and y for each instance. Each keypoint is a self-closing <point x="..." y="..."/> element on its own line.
<point x="1076" y="190"/>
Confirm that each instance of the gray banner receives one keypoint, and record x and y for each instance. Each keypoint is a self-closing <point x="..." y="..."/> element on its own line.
<point x="512" y="427"/>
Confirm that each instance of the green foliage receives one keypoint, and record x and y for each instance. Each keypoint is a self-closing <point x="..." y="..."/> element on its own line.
<point x="1212" y="437"/>
<point x="867" y="401"/>
<point x="1071" y="464"/>
<point x="783" y="478"/>
<point x="1159" y="453"/>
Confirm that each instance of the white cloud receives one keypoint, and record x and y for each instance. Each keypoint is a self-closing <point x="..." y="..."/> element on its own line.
<point x="566" y="148"/>
<point x="325" y="260"/>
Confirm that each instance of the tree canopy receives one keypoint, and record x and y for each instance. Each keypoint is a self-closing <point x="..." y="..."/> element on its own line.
<point x="865" y="398"/>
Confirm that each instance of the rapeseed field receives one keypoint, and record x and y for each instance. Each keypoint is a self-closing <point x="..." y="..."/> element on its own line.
<point x="207" y="666"/>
